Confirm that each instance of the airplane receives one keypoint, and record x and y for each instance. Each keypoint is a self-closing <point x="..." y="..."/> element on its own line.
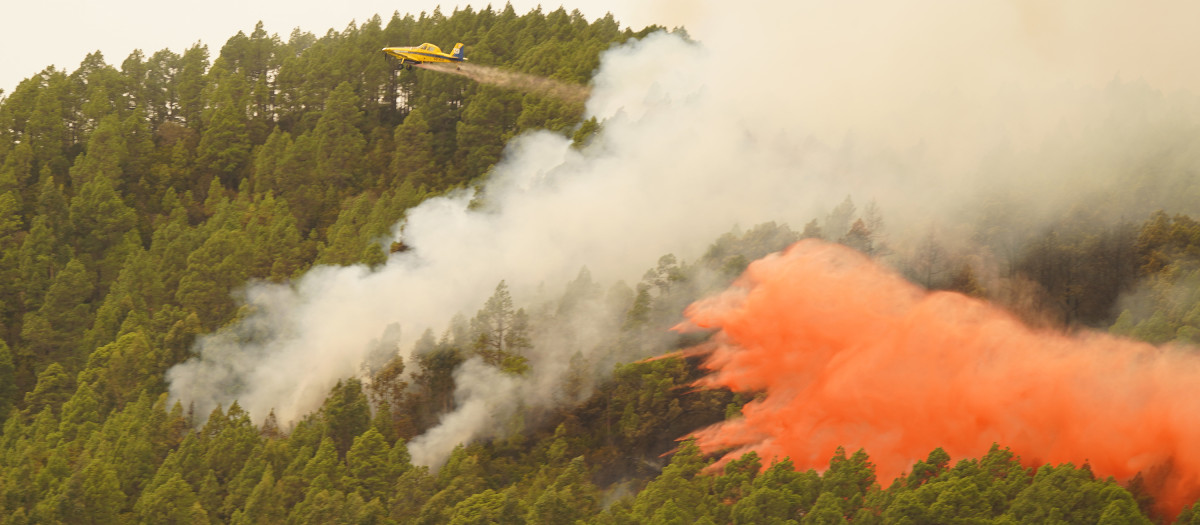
<point x="425" y="54"/>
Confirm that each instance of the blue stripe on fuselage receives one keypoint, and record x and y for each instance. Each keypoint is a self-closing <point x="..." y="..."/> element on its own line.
<point x="431" y="55"/>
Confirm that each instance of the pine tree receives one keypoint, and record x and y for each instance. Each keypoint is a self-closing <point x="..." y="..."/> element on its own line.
<point x="53" y="388"/>
<point x="101" y="222"/>
<point x="264" y="172"/>
<point x="339" y="142"/>
<point x="53" y="331"/>
<point x="489" y="507"/>
<point x="92" y="495"/>
<point x="487" y="121"/>
<point x="10" y="269"/>
<point x="106" y="152"/>
<point x="413" y="158"/>
<point x="80" y="414"/>
<point x="213" y="270"/>
<point x="265" y="504"/>
<point x="501" y="333"/>
<point x="569" y="498"/>
<point x="224" y="149"/>
<point x="347" y="414"/>
<point x="827" y="511"/>
<point x="159" y="94"/>
<point x="191" y="84"/>
<point x="173" y="502"/>
<point x="347" y="237"/>
<point x="47" y="128"/>
<point x="370" y="471"/>
<point x="8" y="381"/>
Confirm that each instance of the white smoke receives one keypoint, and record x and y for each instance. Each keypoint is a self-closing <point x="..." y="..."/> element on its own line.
<point x="482" y="407"/>
<point x="776" y="114"/>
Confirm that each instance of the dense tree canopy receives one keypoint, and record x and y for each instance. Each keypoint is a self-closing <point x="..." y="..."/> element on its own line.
<point x="134" y="200"/>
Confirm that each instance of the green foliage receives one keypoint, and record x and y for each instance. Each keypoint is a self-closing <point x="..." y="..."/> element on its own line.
<point x="8" y="381"/>
<point x="413" y="158"/>
<point x="213" y="270"/>
<point x="265" y="504"/>
<point x="826" y="511"/>
<point x="53" y="387"/>
<point x="1082" y="271"/>
<point x="173" y="502"/>
<point x="1164" y="240"/>
<point x="501" y="333"/>
<point x="678" y="488"/>
<point x="370" y="467"/>
<point x="54" y="329"/>
<point x="569" y="498"/>
<point x="135" y="202"/>
<point x="488" y="507"/>
<point x="1064" y="493"/>
<point x="92" y="495"/>
<point x="224" y="147"/>
<point x="347" y="414"/>
<point x="1165" y="308"/>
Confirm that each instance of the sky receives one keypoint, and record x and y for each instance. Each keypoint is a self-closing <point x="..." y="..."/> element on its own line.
<point x="38" y="34"/>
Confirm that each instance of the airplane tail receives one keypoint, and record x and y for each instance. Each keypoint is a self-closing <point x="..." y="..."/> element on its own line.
<point x="458" y="51"/>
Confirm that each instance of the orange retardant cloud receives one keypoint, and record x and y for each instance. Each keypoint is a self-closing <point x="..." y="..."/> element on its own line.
<point x="849" y="353"/>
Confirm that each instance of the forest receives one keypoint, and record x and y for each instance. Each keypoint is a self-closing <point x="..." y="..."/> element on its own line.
<point x="135" y="201"/>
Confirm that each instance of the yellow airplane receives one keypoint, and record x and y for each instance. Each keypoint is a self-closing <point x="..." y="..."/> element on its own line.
<point x="425" y="53"/>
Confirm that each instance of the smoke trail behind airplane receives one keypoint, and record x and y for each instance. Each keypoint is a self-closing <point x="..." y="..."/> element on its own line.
<point x="565" y="91"/>
<point x="850" y="354"/>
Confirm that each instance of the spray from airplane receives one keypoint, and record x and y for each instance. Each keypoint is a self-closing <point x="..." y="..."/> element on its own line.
<point x="850" y="354"/>
<point x="565" y="91"/>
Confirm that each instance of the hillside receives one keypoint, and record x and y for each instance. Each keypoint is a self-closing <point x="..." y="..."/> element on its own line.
<point x="285" y="282"/>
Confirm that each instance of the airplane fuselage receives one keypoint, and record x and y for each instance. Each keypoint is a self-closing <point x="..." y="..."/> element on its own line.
<point x="424" y="54"/>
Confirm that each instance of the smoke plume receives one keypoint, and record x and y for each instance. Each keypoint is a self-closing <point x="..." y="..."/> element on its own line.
<point x="994" y="114"/>
<point x="495" y="76"/>
<point x="479" y="385"/>
<point x="850" y="354"/>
